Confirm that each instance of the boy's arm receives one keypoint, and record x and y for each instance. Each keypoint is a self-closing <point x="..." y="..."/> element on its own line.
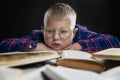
<point x="19" y="44"/>
<point x="16" y="44"/>
<point x="39" y="46"/>
<point x="91" y="41"/>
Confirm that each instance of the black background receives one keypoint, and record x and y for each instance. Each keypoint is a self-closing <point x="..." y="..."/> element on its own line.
<point x="20" y="17"/>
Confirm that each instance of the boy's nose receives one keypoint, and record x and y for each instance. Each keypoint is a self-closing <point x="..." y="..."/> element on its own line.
<point x="56" y="35"/>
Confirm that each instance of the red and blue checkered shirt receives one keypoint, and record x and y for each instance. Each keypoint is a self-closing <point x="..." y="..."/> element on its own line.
<point x="89" y="40"/>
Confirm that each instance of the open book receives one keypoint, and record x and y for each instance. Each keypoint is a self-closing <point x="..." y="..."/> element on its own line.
<point x="50" y="72"/>
<point x="10" y="73"/>
<point x="80" y="60"/>
<point x="12" y="59"/>
<point x="64" y="73"/>
<point x="89" y="61"/>
<point x="69" y="58"/>
<point x="108" y="54"/>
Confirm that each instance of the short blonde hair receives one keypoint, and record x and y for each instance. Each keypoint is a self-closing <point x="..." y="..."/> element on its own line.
<point x="60" y="11"/>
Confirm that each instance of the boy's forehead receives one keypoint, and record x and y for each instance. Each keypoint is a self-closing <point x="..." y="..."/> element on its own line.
<point x="59" y="22"/>
<point x="63" y="22"/>
<point x="59" y="19"/>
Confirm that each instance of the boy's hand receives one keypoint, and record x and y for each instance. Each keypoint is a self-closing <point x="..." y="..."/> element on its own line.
<point x="75" y="46"/>
<point x="42" y="46"/>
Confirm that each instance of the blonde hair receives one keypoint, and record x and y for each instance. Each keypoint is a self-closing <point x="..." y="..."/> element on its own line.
<point x="60" y="11"/>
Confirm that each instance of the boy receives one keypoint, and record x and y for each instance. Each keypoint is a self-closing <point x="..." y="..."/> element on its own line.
<point x="60" y="32"/>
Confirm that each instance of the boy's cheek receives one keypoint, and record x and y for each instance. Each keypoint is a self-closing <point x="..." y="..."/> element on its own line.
<point x="47" y="40"/>
<point x="67" y="42"/>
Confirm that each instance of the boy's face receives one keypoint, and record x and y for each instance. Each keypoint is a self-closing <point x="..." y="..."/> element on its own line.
<point x="58" y="34"/>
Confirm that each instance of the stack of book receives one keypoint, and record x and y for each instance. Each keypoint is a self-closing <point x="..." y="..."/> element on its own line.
<point x="81" y="61"/>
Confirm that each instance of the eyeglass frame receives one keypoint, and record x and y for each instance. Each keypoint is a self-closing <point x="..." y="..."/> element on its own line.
<point x="61" y="34"/>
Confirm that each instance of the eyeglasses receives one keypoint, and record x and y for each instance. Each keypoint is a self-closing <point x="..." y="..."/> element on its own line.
<point x="63" y="33"/>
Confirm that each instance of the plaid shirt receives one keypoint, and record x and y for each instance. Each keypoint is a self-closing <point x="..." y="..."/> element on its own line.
<point x="89" y="40"/>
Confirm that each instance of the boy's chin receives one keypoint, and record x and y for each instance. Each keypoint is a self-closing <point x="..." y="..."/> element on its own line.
<point x="57" y="48"/>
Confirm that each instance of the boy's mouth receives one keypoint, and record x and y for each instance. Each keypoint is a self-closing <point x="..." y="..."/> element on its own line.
<point x="56" y="44"/>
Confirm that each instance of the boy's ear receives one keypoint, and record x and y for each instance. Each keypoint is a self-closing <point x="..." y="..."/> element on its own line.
<point x="75" y="31"/>
<point x="42" y="27"/>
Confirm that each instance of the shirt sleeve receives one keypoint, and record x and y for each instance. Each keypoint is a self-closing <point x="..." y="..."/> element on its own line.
<point x="92" y="41"/>
<point x="19" y="44"/>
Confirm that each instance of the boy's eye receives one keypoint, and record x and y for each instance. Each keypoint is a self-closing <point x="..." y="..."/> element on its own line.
<point x="63" y="31"/>
<point x="49" y="31"/>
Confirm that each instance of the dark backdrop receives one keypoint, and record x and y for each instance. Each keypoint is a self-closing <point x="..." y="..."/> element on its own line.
<point x="20" y="17"/>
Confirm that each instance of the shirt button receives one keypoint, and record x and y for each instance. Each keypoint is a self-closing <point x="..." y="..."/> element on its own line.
<point x="30" y="46"/>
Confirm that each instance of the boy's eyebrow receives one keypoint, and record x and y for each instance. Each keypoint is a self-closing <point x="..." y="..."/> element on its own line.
<point x="59" y="29"/>
<point x="62" y="26"/>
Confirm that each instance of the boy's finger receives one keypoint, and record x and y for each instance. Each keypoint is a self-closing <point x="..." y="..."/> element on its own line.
<point x="68" y="47"/>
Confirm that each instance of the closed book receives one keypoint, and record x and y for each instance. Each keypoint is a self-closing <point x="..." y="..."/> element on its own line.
<point x="13" y="59"/>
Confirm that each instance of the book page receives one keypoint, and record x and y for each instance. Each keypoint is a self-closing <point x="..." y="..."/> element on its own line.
<point x="33" y="74"/>
<point x="65" y="73"/>
<point x="78" y="55"/>
<point x="109" y="54"/>
<point x="73" y="54"/>
<point x="10" y="73"/>
<point x="113" y="73"/>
